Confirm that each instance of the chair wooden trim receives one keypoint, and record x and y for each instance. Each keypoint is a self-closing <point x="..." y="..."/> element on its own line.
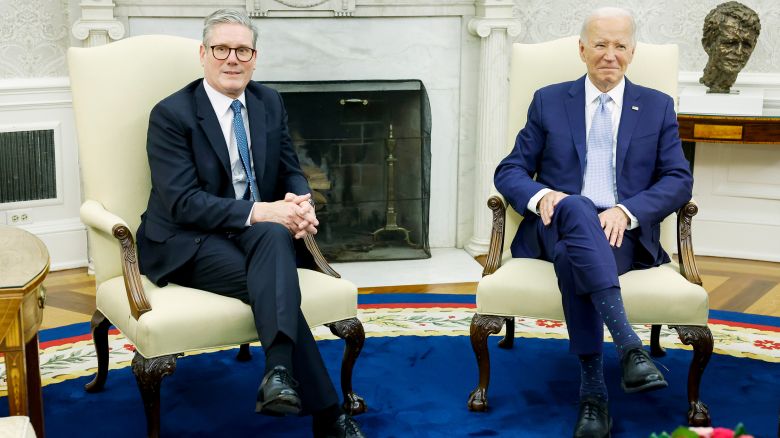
<point x="699" y="337"/>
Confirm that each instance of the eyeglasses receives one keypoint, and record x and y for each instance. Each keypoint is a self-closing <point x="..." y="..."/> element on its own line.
<point x="243" y="54"/>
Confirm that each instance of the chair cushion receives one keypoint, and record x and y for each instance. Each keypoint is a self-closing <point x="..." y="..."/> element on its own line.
<point x="184" y="318"/>
<point x="529" y="288"/>
<point x="16" y="426"/>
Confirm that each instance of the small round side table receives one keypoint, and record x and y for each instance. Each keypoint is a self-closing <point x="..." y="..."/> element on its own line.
<point x="24" y="264"/>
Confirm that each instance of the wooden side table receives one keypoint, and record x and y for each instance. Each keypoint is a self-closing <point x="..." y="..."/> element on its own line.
<point x="24" y="264"/>
<point x="726" y="129"/>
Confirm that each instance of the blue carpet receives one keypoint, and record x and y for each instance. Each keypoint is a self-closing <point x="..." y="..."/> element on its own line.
<point x="418" y="387"/>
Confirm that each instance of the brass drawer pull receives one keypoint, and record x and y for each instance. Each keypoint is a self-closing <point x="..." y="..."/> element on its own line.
<point x="346" y="101"/>
<point x="41" y="297"/>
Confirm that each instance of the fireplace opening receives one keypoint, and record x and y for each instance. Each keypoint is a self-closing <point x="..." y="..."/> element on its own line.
<point x="365" y="148"/>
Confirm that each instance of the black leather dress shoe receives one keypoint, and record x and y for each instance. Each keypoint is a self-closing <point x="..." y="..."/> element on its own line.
<point x="344" y="427"/>
<point x="276" y="395"/>
<point x="593" y="420"/>
<point x="640" y="373"/>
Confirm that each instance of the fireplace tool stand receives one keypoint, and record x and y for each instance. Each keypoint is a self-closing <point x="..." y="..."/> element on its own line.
<point x="391" y="230"/>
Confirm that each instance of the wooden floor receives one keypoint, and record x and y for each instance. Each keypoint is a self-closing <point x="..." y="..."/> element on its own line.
<point x="736" y="285"/>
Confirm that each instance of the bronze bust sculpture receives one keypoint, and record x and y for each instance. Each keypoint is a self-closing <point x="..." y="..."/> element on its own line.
<point x="730" y="34"/>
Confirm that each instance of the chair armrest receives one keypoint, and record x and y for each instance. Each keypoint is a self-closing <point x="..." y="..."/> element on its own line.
<point x="96" y="216"/>
<point x="320" y="263"/>
<point x="496" y="203"/>
<point x="685" y="242"/>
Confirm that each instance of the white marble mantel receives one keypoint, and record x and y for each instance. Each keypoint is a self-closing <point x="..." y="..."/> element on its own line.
<point x="297" y="8"/>
<point x="457" y="48"/>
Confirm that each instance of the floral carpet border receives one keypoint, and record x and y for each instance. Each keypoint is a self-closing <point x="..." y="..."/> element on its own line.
<point x="75" y="357"/>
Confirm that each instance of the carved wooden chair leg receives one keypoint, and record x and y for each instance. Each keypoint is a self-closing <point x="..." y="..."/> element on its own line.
<point x="244" y="355"/>
<point x="509" y="337"/>
<point x="149" y="374"/>
<point x="99" y="327"/>
<point x="351" y="331"/>
<point x="482" y="326"/>
<point x="656" y="350"/>
<point x="700" y="338"/>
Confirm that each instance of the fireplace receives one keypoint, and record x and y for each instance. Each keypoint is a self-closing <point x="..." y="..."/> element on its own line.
<point x="365" y="147"/>
<point x="438" y="42"/>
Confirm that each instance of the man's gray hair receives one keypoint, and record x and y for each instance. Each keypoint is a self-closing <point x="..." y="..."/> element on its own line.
<point x="223" y="16"/>
<point x="608" y="12"/>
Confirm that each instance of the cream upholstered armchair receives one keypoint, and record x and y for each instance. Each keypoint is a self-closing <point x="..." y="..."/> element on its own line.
<point x="114" y="89"/>
<point x="670" y="294"/>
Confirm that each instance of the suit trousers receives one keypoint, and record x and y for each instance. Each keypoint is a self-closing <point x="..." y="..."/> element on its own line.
<point x="258" y="266"/>
<point x="584" y="263"/>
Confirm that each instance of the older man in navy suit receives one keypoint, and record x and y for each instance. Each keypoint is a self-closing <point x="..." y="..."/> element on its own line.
<point x="595" y="170"/>
<point x="228" y="199"/>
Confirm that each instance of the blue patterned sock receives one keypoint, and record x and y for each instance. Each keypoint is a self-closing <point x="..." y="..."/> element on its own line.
<point x="610" y="306"/>
<point x="592" y="377"/>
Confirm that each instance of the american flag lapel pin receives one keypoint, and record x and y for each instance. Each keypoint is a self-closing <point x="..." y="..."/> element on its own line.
<point x="635" y="108"/>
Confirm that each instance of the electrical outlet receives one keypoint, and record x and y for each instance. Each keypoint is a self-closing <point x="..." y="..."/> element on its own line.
<point x="18" y="217"/>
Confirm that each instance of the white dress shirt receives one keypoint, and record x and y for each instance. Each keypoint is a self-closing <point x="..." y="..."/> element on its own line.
<point x="221" y="105"/>
<point x="615" y="106"/>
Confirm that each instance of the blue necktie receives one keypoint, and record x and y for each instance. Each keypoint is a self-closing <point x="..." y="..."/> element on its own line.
<point x="243" y="147"/>
<point x="598" y="184"/>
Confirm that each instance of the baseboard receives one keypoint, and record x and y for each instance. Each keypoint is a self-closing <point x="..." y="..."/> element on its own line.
<point x="66" y="241"/>
<point x="731" y="254"/>
<point x="736" y="240"/>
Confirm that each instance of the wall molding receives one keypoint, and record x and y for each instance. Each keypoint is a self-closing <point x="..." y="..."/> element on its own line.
<point x="55" y="226"/>
<point x="35" y="93"/>
<point x="362" y="8"/>
<point x="66" y="240"/>
<point x="736" y="254"/>
<point x="720" y="238"/>
<point x="34" y="85"/>
<point x="46" y="103"/>
<point x="770" y="82"/>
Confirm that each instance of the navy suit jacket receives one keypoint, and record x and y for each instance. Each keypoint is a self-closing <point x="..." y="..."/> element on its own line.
<point x="192" y="193"/>
<point x="652" y="175"/>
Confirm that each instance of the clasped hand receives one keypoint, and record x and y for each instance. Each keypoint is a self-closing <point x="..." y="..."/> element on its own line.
<point x="614" y="221"/>
<point x="294" y="212"/>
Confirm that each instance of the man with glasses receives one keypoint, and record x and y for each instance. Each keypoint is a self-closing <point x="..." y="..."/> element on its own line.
<point x="228" y="199"/>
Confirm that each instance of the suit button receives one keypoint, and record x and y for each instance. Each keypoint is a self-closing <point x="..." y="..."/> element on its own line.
<point x="197" y="240"/>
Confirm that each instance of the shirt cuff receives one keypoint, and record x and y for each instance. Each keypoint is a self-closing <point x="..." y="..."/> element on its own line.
<point x="633" y="221"/>
<point x="534" y="201"/>
<point x="249" y="218"/>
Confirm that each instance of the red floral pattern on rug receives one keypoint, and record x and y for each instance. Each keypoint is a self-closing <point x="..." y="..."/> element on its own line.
<point x="766" y="344"/>
<point x="548" y="323"/>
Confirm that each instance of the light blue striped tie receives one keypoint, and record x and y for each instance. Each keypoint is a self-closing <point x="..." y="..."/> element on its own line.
<point x="243" y="147"/>
<point x="598" y="184"/>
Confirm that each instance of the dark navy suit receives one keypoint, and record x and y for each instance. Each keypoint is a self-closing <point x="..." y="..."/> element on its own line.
<point x="193" y="232"/>
<point x="652" y="176"/>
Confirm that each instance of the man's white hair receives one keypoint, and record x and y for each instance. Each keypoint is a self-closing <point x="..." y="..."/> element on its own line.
<point x="608" y="12"/>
